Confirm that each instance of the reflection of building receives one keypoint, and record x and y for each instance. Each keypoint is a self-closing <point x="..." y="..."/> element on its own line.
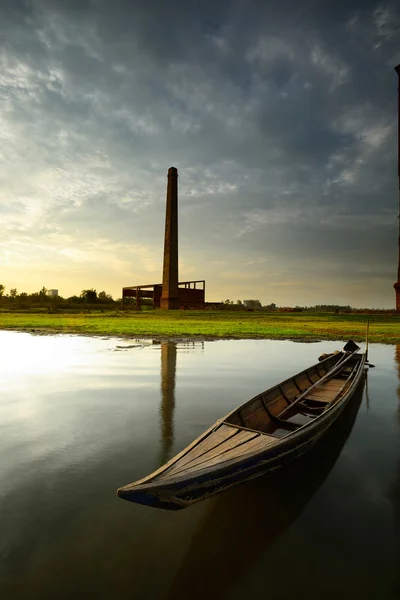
<point x="170" y="294"/>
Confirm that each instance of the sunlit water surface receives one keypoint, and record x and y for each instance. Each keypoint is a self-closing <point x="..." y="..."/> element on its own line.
<point x="82" y="416"/>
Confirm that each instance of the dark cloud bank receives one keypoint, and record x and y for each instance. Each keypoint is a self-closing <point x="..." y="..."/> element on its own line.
<point x="281" y="118"/>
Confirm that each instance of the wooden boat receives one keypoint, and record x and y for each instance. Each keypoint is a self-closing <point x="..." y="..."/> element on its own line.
<point x="261" y="435"/>
<point x="271" y="505"/>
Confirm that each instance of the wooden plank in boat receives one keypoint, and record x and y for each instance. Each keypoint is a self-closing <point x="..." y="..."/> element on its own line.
<point x="257" y="420"/>
<point x="335" y="385"/>
<point x="329" y="387"/>
<point x="261" y="442"/>
<point x="217" y="437"/>
<point x="325" y="391"/>
<point x="331" y="383"/>
<point x="319" y="398"/>
<point x="289" y="390"/>
<point x="313" y="376"/>
<point x="302" y="382"/>
<point x="276" y="406"/>
<point x="254" y="415"/>
<point x="238" y="441"/>
<point x="322" y="398"/>
<point x="316" y="394"/>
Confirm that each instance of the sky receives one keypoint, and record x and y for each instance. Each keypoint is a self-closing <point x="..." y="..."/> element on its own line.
<point x="281" y="118"/>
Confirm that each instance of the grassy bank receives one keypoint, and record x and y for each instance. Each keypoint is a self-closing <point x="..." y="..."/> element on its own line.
<point x="212" y="324"/>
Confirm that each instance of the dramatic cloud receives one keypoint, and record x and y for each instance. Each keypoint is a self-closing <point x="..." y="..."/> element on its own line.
<point x="281" y="119"/>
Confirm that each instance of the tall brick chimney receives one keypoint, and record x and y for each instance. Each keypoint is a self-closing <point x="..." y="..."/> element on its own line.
<point x="170" y="294"/>
<point x="397" y="284"/>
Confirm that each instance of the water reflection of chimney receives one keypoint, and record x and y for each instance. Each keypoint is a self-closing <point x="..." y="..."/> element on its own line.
<point x="168" y="371"/>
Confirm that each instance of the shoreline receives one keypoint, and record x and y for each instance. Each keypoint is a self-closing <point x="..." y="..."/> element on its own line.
<point x="157" y="338"/>
<point x="209" y="326"/>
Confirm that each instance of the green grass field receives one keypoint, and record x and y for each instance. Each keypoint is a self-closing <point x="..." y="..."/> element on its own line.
<point x="211" y="324"/>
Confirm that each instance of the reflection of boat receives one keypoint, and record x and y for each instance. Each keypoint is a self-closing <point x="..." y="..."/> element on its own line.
<point x="241" y="524"/>
<point x="272" y="428"/>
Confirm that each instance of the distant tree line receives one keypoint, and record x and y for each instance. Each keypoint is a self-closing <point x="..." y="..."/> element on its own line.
<point x="88" y="299"/>
<point x="322" y="308"/>
<point x="241" y="305"/>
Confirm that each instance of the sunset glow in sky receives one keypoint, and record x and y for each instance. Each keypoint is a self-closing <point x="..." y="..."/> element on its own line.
<point x="281" y="118"/>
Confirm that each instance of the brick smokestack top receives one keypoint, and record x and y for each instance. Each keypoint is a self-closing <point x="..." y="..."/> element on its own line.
<point x="397" y="284"/>
<point x="170" y="294"/>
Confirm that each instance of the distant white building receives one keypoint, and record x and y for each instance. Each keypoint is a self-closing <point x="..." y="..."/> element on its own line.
<point x="52" y="293"/>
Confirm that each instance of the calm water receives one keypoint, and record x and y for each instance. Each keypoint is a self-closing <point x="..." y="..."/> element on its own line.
<point x="79" y="417"/>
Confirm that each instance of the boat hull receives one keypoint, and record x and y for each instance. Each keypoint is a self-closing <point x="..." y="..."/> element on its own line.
<point x="178" y="492"/>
